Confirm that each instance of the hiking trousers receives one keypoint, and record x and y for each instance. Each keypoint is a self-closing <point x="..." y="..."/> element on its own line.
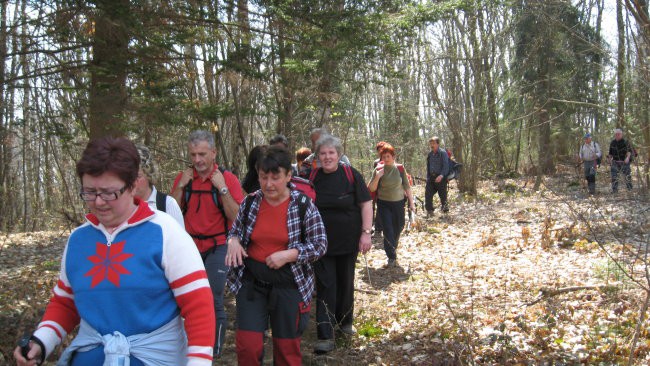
<point x="590" y="175"/>
<point x="272" y="296"/>
<point x="392" y="217"/>
<point x="431" y="189"/>
<point x="620" y="168"/>
<point x="216" y="269"/>
<point x="334" y="292"/>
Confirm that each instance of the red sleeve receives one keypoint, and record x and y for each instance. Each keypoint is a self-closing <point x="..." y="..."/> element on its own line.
<point x="234" y="187"/>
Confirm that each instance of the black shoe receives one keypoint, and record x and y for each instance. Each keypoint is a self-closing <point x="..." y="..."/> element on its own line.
<point x="324" y="346"/>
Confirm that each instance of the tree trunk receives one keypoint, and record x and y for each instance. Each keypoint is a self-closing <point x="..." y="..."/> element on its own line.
<point x="620" y="66"/>
<point x="108" y="69"/>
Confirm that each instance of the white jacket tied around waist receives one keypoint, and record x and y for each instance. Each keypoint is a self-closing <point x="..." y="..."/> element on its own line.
<point x="165" y="346"/>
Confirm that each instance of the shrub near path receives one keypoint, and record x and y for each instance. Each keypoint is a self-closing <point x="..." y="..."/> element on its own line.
<point x="516" y="277"/>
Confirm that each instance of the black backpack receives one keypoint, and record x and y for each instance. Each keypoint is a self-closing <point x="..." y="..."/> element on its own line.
<point x="161" y="201"/>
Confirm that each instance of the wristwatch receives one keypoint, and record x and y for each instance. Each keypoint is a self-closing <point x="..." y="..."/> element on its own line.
<point x="223" y="191"/>
<point x="367" y="231"/>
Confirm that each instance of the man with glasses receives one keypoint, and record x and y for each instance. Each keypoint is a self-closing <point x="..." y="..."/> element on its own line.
<point x="209" y="197"/>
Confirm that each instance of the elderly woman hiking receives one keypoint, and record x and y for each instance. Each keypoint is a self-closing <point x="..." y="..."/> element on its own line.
<point x="345" y="205"/>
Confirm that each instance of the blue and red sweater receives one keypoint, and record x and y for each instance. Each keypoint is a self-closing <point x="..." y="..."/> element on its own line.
<point x="134" y="281"/>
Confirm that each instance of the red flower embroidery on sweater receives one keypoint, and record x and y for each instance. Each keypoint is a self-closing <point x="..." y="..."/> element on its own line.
<point x="108" y="263"/>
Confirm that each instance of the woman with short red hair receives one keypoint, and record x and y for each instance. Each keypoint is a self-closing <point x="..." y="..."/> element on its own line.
<point x="390" y="182"/>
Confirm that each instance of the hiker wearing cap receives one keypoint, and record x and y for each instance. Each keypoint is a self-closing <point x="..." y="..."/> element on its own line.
<point x="590" y="155"/>
<point x="390" y="182"/>
<point x="144" y="188"/>
<point x="619" y="157"/>
<point x="344" y="203"/>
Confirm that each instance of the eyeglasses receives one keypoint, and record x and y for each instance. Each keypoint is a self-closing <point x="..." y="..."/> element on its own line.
<point x="105" y="196"/>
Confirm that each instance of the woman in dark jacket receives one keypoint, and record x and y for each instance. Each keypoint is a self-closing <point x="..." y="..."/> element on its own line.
<point x="345" y="205"/>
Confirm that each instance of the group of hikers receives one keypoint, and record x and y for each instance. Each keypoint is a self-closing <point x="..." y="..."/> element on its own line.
<point x="620" y="156"/>
<point x="147" y="288"/>
<point x="144" y="277"/>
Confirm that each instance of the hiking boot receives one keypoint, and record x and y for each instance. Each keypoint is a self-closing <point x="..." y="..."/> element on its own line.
<point x="445" y="209"/>
<point x="391" y="263"/>
<point x="324" y="346"/>
<point x="429" y="214"/>
<point x="348" y="329"/>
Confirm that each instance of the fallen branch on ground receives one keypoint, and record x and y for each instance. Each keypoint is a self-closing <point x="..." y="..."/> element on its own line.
<point x="545" y="293"/>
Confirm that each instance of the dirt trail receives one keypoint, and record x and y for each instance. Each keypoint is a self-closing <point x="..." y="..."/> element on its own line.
<point x="510" y="277"/>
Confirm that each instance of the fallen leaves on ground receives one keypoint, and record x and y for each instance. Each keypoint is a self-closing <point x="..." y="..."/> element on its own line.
<point x="510" y="277"/>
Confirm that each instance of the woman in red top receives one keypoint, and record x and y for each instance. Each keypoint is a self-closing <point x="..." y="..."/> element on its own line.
<point x="278" y="233"/>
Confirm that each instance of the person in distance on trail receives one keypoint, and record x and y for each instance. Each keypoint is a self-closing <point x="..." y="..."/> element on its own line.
<point x="130" y="277"/>
<point x="344" y="202"/>
<point x="281" y="140"/>
<point x="209" y="197"/>
<point x="391" y="183"/>
<point x="590" y="155"/>
<point x="619" y="157"/>
<point x="437" y="172"/>
<point x="146" y="190"/>
<point x="276" y="236"/>
<point x="312" y="161"/>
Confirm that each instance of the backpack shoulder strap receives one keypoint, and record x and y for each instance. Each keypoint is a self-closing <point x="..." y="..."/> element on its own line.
<point x="187" y="193"/>
<point x="161" y="201"/>
<point x="348" y="173"/>
<point x="312" y="174"/>
<point x="303" y="204"/>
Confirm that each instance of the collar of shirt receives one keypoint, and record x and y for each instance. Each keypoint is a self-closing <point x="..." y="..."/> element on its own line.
<point x="152" y="196"/>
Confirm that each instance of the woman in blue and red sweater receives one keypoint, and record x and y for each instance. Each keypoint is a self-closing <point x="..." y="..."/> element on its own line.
<point x="130" y="276"/>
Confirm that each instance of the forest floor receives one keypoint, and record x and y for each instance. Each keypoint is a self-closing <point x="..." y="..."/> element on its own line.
<point x="509" y="277"/>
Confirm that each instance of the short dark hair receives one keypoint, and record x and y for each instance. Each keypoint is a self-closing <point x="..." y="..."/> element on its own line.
<point x="279" y="139"/>
<point x="274" y="158"/>
<point x="254" y="156"/>
<point x="110" y="155"/>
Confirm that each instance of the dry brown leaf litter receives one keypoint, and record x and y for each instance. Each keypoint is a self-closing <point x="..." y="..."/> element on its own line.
<point x="479" y="285"/>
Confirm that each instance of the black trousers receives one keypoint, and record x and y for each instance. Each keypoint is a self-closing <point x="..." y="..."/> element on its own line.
<point x="431" y="189"/>
<point x="392" y="216"/>
<point x="334" y="293"/>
